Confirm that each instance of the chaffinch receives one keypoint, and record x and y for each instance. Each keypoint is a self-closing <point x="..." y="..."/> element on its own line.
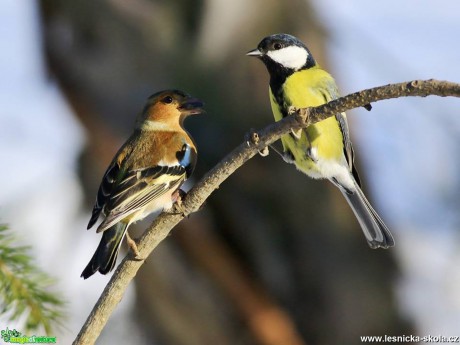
<point x="145" y="175"/>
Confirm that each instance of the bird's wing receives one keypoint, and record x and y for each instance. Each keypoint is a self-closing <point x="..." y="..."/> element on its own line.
<point x="138" y="188"/>
<point x="104" y="192"/>
<point x="342" y="120"/>
<point x="347" y="145"/>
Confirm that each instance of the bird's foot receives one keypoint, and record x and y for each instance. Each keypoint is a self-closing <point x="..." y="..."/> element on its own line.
<point x="296" y="133"/>
<point x="303" y="115"/>
<point x="178" y="207"/>
<point x="292" y="110"/>
<point x="264" y="152"/>
<point x="132" y="244"/>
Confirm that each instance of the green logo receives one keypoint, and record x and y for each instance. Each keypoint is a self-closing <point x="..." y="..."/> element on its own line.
<point x="15" y="337"/>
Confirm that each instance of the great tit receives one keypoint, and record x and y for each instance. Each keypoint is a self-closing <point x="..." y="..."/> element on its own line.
<point x="322" y="150"/>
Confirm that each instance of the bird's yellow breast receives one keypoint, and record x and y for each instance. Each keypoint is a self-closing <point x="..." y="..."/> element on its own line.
<point x="310" y="88"/>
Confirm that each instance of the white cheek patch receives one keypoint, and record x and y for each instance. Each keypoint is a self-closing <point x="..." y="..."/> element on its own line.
<point x="291" y="57"/>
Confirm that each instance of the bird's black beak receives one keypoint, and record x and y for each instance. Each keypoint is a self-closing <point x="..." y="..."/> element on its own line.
<point x="191" y="106"/>
<point x="255" y="52"/>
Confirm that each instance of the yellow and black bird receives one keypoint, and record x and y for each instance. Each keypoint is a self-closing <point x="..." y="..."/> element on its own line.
<point x="322" y="150"/>
<point x="145" y="175"/>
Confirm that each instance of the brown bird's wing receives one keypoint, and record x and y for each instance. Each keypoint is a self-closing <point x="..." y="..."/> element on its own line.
<point x="130" y="184"/>
<point x="104" y="192"/>
<point x="138" y="188"/>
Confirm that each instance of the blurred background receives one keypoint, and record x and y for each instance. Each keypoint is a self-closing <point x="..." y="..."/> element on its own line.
<point x="274" y="257"/>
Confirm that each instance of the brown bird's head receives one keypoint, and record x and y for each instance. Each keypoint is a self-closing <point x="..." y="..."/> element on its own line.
<point x="168" y="109"/>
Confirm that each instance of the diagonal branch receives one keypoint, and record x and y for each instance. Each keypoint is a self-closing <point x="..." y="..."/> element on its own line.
<point x="163" y="224"/>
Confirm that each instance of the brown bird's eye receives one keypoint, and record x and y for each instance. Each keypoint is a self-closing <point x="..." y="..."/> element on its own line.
<point x="167" y="100"/>
<point x="277" y="46"/>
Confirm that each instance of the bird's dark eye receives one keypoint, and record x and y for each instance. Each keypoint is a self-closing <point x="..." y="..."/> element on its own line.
<point x="167" y="100"/>
<point x="277" y="46"/>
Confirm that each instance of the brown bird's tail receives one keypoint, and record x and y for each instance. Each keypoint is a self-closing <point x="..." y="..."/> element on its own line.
<point x="106" y="253"/>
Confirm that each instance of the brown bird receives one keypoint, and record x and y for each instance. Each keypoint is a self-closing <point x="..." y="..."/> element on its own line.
<point x="145" y="175"/>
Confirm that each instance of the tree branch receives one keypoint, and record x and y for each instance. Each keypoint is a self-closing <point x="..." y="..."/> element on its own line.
<point x="256" y="141"/>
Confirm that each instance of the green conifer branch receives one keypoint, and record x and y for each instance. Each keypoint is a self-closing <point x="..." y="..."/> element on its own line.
<point x="25" y="288"/>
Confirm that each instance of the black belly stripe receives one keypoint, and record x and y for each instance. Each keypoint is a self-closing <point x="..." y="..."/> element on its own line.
<point x="278" y="76"/>
<point x="280" y="100"/>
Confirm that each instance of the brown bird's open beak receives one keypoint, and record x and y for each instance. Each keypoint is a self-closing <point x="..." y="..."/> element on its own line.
<point x="192" y="106"/>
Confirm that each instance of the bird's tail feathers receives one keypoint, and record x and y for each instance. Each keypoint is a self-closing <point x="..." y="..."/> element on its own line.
<point x="106" y="253"/>
<point x="375" y="230"/>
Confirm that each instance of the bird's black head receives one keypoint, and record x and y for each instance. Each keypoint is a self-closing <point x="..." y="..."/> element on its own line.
<point x="283" y="54"/>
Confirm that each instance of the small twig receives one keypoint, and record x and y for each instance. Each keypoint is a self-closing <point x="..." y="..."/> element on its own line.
<point x="163" y="224"/>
